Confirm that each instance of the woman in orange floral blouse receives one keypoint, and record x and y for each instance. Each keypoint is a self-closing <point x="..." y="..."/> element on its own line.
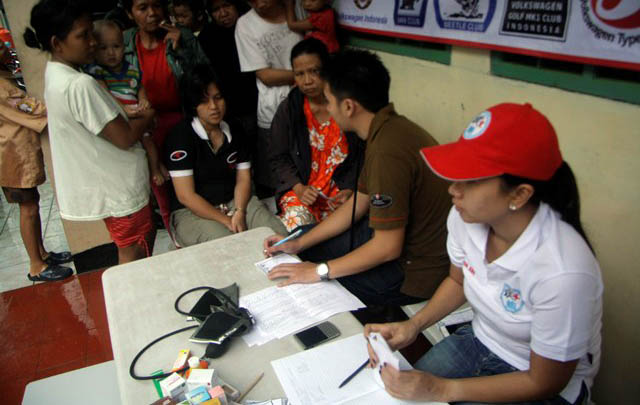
<point x="312" y="159"/>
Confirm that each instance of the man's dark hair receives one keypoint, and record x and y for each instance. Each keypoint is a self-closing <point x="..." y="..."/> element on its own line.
<point x="194" y="85"/>
<point x="311" y="46"/>
<point x="359" y="75"/>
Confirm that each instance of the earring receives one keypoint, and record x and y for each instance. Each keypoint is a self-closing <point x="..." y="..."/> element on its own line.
<point x="512" y="207"/>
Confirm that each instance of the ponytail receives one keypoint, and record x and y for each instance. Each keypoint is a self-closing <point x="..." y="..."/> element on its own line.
<point x="31" y="39"/>
<point x="560" y="192"/>
<point x="51" y="18"/>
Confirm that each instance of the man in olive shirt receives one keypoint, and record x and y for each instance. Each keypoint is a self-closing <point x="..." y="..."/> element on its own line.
<point x="401" y="206"/>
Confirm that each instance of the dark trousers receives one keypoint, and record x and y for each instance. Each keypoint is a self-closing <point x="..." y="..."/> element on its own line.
<point x="377" y="286"/>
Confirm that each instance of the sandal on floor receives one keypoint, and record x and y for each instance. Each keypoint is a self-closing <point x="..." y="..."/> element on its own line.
<point x="53" y="272"/>
<point x="58" y="258"/>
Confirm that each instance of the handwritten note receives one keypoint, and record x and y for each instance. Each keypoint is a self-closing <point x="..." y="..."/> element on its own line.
<point x="269" y="263"/>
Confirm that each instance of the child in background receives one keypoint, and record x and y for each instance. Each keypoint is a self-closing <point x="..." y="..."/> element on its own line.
<point x="264" y="44"/>
<point x="321" y="23"/>
<point x="189" y="14"/>
<point x="123" y="82"/>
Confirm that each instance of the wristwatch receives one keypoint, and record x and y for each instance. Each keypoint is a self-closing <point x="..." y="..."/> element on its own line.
<point x="323" y="271"/>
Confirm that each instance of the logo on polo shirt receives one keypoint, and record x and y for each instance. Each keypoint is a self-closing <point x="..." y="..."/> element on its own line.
<point x="478" y="126"/>
<point x="232" y="158"/>
<point x="381" y="201"/>
<point x="178" y="155"/>
<point x="511" y="299"/>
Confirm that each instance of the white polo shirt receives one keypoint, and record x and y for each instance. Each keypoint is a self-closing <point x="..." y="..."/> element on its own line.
<point x="94" y="178"/>
<point x="544" y="294"/>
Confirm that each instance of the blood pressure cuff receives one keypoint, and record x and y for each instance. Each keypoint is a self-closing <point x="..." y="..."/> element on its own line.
<point x="220" y="316"/>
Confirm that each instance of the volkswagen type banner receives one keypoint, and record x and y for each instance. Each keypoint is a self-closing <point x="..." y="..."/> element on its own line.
<point x="600" y="32"/>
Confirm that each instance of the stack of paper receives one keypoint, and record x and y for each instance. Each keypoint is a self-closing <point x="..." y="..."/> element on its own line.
<point x="281" y="311"/>
<point x="313" y="376"/>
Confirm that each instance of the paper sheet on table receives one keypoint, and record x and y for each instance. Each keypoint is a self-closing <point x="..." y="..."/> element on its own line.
<point x="313" y="376"/>
<point x="282" y="311"/>
<point x="269" y="263"/>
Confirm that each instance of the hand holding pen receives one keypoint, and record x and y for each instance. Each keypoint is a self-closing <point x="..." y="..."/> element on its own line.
<point x="275" y="244"/>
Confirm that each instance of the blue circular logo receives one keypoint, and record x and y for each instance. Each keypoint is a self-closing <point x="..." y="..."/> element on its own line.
<point x="477" y="126"/>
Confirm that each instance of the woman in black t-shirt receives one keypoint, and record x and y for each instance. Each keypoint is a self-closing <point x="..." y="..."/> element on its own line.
<point x="217" y="40"/>
<point x="210" y="168"/>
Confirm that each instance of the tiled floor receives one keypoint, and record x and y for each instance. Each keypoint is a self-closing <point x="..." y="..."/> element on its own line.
<point x="47" y="328"/>
<point x="51" y="328"/>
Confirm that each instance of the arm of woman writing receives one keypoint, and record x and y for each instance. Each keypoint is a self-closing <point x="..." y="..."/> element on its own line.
<point x="544" y="379"/>
<point x="186" y="193"/>
<point x="448" y="297"/>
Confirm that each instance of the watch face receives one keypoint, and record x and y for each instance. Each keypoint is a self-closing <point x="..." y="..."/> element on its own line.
<point x="323" y="271"/>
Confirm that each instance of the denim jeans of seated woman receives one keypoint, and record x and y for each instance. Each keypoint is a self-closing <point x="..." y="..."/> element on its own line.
<point x="462" y="355"/>
<point x="377" y="286"/>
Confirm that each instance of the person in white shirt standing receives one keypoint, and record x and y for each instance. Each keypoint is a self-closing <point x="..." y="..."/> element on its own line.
<point x="521" y="259"/>
<point x="99" y="165"/>
<point x="264" y="43"/>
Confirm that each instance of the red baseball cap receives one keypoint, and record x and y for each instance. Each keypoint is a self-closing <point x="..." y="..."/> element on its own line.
<point x="508" y="138"/>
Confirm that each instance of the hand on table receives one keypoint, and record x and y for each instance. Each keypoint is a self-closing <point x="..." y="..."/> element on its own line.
<point x="295" y="273"/>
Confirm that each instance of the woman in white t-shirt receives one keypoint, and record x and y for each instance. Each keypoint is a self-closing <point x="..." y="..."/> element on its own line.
<point x="98" y="162"/>
<point x="520" y="257"/>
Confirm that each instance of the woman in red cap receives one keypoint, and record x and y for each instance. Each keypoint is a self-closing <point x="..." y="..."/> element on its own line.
<point x="521" y="259"/>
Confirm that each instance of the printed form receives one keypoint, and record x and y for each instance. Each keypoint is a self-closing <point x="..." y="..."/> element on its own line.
<point x="313" y="376"/>
<point x="281" y="311"/>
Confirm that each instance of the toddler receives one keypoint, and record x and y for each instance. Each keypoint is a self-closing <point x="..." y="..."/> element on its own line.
<point x="321" y="23"/>
<point x="123" y="81"/>
<point x="189" y="14"/>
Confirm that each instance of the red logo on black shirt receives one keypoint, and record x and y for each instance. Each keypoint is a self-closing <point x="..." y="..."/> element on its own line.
<point x="178" y="155"/>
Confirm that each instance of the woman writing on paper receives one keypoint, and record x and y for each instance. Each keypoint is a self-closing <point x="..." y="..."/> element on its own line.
<point x="521" y="259"/>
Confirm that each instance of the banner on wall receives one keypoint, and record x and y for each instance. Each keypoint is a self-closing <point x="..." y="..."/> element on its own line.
<point x="600" y="32"/>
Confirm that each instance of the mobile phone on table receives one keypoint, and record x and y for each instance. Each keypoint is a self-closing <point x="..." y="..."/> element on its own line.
<point x="317" y="334"/>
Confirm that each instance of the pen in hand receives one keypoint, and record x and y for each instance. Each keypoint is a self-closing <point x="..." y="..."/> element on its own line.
<point x="288" y="238"/>
<point x="359" y="369"/>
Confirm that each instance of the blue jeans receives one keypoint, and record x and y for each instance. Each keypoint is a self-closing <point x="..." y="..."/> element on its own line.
<point x="462" y="355"/>
<point x="377" y="286"/>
